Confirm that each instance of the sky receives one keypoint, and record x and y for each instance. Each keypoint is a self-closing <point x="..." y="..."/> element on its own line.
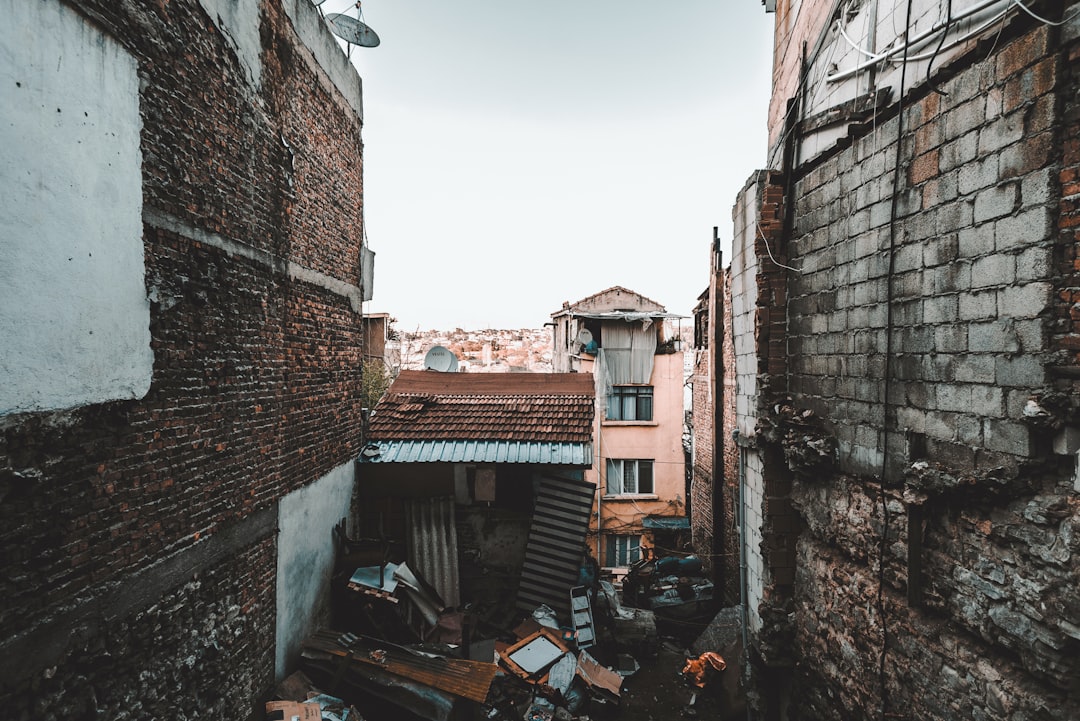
<point x="521" y="154"/>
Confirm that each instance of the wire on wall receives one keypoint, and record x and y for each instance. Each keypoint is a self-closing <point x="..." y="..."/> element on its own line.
<point x="887" y="380"/>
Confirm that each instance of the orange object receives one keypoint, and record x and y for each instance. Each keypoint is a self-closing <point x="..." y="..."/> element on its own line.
<point x="698" y="670"/>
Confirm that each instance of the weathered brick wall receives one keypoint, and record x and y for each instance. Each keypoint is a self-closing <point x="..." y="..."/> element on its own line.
<point x="975" y="615"/>
<point x="702" y="522"/>
<point x="730" y="452"/>
<point x="252" y="231"/>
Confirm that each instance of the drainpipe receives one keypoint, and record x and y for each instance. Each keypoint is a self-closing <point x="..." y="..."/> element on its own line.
<point x="742" y="570"/>
<point x="599" y="494"/>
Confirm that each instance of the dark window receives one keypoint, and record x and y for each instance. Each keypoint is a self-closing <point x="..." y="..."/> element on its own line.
<point x="622" y="550"/>
<point x="629" y="476"/>
<point x="630" y="403"/>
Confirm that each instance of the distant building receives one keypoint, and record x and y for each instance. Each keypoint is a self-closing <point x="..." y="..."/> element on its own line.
<point x="623" y="339"/>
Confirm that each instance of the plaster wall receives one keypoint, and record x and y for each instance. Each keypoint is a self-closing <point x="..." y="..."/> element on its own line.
<point x="659" y="440"/>
<point x="744" y="295"/>
<point x="238" y="22"/>
<point x="74" y="316"/>
<point x="305" y="562"/>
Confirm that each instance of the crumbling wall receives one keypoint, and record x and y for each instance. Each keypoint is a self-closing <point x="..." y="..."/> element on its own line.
<point x="703" y="524"/>
<point x="936" y="577"/>
<point x="139" y="534"/>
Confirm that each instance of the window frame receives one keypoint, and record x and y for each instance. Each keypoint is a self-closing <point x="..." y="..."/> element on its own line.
<point x="624" y="556"/>
<point x="639" y="464"/>
<point x="621" y="394"/>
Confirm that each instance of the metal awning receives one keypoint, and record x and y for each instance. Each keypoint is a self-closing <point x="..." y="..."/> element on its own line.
<point x="665" y="523"/>
<point x="531" y="452"/>
<point x="627" y="315"/>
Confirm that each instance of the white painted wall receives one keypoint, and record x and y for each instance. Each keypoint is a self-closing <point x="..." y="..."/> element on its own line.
<point x="744" y="294"/>
<point x="74" y="318"/>
<point x="238" y="23"/>
<point x="305" y="559"/>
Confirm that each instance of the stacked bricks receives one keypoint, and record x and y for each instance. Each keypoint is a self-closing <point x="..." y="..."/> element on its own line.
<point x="255" y="389"/>
<point x="1066" y="329"/>
<point x="703" y="525"/>
<point x="730" y="449"/>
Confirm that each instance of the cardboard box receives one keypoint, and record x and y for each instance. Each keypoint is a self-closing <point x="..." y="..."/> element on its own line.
<point x="293" y="711"/>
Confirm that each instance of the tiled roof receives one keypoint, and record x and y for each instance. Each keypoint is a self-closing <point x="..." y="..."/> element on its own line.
<point x="431" y="406"/>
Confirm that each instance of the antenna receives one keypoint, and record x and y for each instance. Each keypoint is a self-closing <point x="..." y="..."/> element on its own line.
<point x="352" y="30"/>
<point x="441" y="359"/>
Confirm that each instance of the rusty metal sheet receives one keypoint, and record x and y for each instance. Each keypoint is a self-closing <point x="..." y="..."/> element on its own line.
<point x="460" y="677"/>
<point x="432" y="544"/>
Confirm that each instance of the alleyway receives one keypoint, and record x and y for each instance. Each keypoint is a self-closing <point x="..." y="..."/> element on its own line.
<point x="657" y="692"/>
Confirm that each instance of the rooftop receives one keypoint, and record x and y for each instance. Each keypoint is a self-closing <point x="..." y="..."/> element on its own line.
<point x="526" y="407"/>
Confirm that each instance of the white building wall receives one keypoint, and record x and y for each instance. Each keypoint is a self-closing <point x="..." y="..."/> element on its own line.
<point x="305" y="559"/>
<point x="744" y="294"/>
<point x="74" y="316"/>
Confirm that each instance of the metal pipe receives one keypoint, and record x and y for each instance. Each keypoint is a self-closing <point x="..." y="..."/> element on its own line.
<point x="742" y="570"/>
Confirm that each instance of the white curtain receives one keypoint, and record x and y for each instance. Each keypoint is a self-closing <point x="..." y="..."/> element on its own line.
<point x="625" y="357"/>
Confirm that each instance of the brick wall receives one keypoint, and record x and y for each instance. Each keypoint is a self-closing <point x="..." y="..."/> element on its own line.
<point x="928" y="325"/>
<point x="252" y="231"/>
<point x="702" y="523"/>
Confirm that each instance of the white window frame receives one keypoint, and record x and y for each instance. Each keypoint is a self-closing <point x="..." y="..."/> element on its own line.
<point x="623" y="550"/>
<point x="624" y="472"/>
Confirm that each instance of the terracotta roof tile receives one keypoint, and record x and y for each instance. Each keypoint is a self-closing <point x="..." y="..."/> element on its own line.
<point x="426" y="405"/>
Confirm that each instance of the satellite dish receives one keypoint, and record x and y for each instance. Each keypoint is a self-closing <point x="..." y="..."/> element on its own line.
<point x="352" y="30"/>
<point x="584" y="336"/>
<point x="440" y="359"/>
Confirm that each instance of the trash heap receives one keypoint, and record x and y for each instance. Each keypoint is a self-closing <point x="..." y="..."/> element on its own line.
<point x="397" y="651"/>
<point x="674" y="588"/>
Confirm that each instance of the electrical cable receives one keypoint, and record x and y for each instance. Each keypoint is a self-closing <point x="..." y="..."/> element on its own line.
<point x="941" y="42"/>
<point x="767" y="248"/>
<point x="887" y="380"/>
<point x="1043" y="20"/>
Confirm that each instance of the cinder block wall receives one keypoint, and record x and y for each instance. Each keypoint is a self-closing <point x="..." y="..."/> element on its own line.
<point x="139" y="557"/>
<point x="981" y="620"/>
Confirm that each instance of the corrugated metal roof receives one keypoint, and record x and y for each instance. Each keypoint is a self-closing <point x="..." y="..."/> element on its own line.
<point x="534" y="452"/>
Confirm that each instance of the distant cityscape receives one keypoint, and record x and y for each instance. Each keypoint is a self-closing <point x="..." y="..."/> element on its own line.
<point x="522" y="350"/>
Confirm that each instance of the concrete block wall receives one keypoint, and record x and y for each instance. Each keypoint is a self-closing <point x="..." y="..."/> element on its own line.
<point x="975" y="616"/>
<point x="140" y="535"/>
<point x="969" y="281"/>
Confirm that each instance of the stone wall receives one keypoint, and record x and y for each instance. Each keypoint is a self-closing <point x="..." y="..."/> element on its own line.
<point x="929" y="335"/>
<point x="139" y="534"/>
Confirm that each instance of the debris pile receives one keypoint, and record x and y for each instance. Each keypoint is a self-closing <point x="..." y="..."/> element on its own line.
<point x="398" y="650"/>
<point x="673" y="588"/>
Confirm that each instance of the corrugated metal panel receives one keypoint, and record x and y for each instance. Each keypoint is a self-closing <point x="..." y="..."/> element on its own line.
<point x="561" y="454"/>
<point x="556" y="543"/>
<point x="432" y="544"/>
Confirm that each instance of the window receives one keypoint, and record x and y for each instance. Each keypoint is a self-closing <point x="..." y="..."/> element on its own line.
<point x="622" y="550"/>
<point x="630" y="403"/>
<point x="626" y="477"/>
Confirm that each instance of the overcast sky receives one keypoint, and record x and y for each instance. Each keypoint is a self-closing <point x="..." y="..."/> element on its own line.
<point x="521" y="154"/>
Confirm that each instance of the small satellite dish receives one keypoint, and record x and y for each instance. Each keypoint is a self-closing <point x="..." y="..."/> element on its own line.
<point x="440" y="359"/>
<point x="584" y="336"/>
<point x="352" y="30"/>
